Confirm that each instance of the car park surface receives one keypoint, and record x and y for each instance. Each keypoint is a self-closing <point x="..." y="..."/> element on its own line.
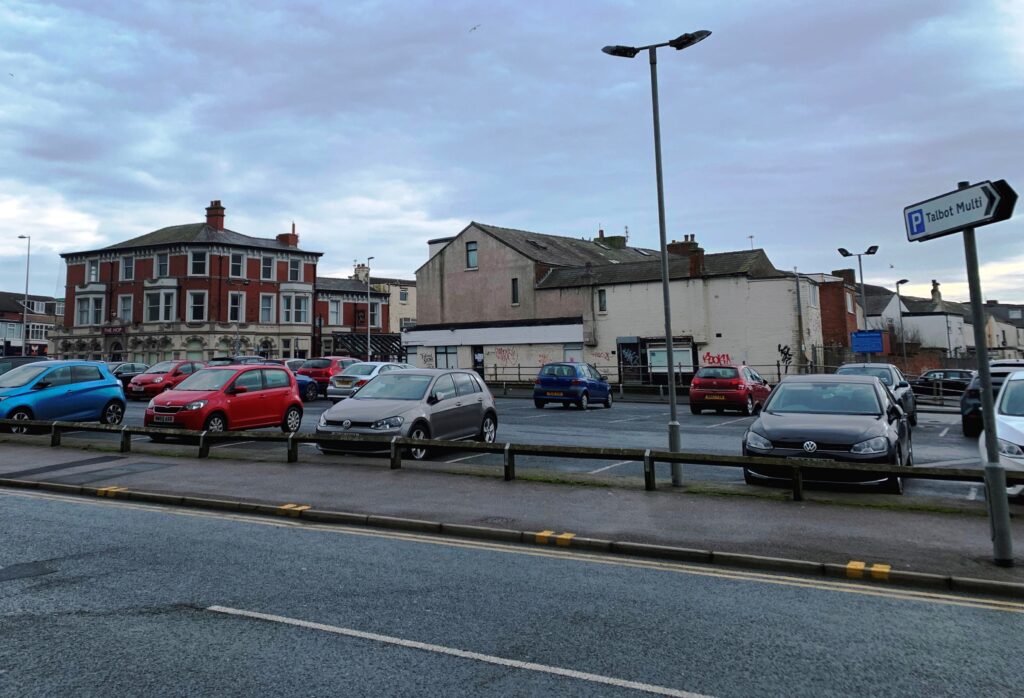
<point x="67" y="390"/>
<point x="568" y="383"/>
<point x="728" y="388"/>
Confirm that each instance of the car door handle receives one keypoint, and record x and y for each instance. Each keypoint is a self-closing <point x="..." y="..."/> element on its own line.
<point x="458" y="404"/>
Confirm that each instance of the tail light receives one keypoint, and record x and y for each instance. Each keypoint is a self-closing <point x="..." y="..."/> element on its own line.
<point x="695" y="382"/>
<point x="576" y="381"/>
<point x="736" y="383"/>
<point x="536" y="381"/>
<point x="361" y="381"/>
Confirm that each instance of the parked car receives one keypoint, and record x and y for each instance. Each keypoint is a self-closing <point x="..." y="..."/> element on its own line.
<point x="294" y="364"/>
<point x="346" y="383"/>
<point x="971" y="422"/>
<point x="947" y="382"/>
<point x="308" y="388"/>
<point x="76" y="391"/>
<point x="160" y="377"/>
<point x="321" y="369"/>
<point x="124" y="371"/>
<point x="229" y="397"/>
<point x="9" y="362"/>
<point x="418" y="403"/>
<point x="892" y="378"/>
<point x="728" y="388"/>
<point x="571" y="383"/>
<point x="849" y="417"/>
<point x="221" y="361"/>
<point x="1010" y="427"/>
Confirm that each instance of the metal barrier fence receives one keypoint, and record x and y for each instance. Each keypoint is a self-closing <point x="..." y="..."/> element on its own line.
<point x="395" y="446"/>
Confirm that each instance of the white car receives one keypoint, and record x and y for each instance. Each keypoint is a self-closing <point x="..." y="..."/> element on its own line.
<point x="1010" y="427"/>
<point x="344" y="385"/>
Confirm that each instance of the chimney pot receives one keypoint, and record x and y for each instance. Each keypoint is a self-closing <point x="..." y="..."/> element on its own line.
<point x="215" y="215"/>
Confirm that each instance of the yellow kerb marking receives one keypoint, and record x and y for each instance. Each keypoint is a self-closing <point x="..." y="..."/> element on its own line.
<point x="543" y="537"/>
<point x="855" y="569"/>
<point x="879" y="571"/>
<point x="109" y="491"/>
<point x="292" y="509"/>
<point x="564" y="539"/>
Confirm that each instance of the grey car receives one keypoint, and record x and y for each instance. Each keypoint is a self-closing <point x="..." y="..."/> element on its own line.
<point x="892" y="379"/>
<point x="444" y="404"/>
<point x="345" y="384"/>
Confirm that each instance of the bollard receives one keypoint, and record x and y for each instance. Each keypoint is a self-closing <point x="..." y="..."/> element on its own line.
<point x="396" y="454"/>
<point x="798" y="484"/>
<point x="620" y="391"/>
<point x="509" y="462"/>
<point x="293" y="449"/>
<point x="126" y="441"/>
<point x="54" y="434"/>
<point x="504" y="388"/>
<point x="204" y="446"/>
<point x="649" y="483"/>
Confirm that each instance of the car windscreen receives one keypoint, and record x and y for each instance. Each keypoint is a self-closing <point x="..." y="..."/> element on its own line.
<point x="317" y="363"/>
<point x="824" y="398"/>
<point x="207" y="379"/>
<point x="709" y="372"/>
<point x="1012" y="402"/>
<point x="559" y="370"/>
<point x="162" y="367"/>
<point x="359" y="370"/>
<point x="884" y="374"/>
<point x="395" y="386"/>
<point x="17" y="377"/>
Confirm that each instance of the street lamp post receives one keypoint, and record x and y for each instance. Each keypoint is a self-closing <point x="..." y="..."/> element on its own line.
<point x="863" y="292"/>
<point x="368" y="260"/>
<point x="24" y="312"/>
<point x="679" y="43"/>
<point x="903" y="335"/>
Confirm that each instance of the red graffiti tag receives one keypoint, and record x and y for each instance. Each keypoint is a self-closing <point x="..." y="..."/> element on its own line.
<point x="716" y="359"/>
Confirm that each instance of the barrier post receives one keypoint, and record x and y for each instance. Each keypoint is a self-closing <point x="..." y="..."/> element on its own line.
<point x="798" y="484"/>
<point x="649" y="483"/>
<point x="54" y="435"/>
<point x="396" y="454"/>
<point x="126" y="441"/>
<point x="509" y="462"/>
<point x="204" y="446"/>
<point x="293" y="449"/>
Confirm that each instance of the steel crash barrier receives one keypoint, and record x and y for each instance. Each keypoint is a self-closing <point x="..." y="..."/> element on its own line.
<point x="396" y="445"/>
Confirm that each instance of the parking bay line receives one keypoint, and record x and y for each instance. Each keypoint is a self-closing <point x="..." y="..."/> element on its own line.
<point x="474" y="455"/>
<point x="627" y="419"/>
<point x="454" y="652"/>
<point x="609" y="467"/>
<point x="232" y="443"/>
<point x="731" y="421"/>
<point x="944" y="431"/>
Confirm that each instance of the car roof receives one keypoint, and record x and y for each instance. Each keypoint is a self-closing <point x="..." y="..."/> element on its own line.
<point x="1016" y="376"/>
<point x="868" y="365"/>
<point x="434" y="371"/>
<point x="736" y="366"/>
<point x="829" y="378"/>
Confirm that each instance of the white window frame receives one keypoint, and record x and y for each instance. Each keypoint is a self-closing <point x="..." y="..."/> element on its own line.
<point x="273" y="268"/>
<point x="290" y="308"/>
<point x="156" y="265"/>
<point x="188" y="305"/>
<point x="375" y="313"/>
<point x="403" y="294"/>
<point x="91" y="314"/>
<point x="38" y="331"/>
<point x="602" y="300"/>
<point x="241" y="265"/>
<point x="273" y="309"/>
<point x="241" y="306"/>
<point x="92" y="271"/>
<point x="295" y="270"/>
<point x="81" y="310"/>
<point x="120" y="308"/>
<point x="335" y="312"/>
<point x="849" y="302"/>
<point x="128" y="267"/>
<point x="161" y="306"/>
<point x="59" y="308"/>
<point x="192" y="261"/>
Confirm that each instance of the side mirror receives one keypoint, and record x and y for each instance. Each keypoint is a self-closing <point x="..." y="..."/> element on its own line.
<point x="603" y="377"/>
<point x="239" y="389"/>
<point x="903" y="384"/>
<point x="432" y="399"/>
<point x="895" y="412"/>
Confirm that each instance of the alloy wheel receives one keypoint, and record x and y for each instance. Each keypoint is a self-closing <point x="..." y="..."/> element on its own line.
<point x="215" y="423"/>
<point x="417" y="452"/>
<point x="21" y="416"/>
<point x="113" y="414"/>
<point x="293" y="420"/>
<point x="489" y="430"/>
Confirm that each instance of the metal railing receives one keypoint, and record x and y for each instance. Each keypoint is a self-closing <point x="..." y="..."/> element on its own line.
<point x="395" y="445"/>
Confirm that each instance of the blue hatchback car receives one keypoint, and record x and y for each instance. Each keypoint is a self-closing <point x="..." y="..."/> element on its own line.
<point x="571" y="384"/>
<point x="77" y="391"/>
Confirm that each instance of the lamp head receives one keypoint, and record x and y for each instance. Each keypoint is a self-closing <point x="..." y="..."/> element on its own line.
<point x="621" y="51"/>
<point x="24" y="237"/>
<point x="901" y="282"/>
<point x="687" y="40"/>
<point x="872" y="249"/>
<point x="845" y="252"/>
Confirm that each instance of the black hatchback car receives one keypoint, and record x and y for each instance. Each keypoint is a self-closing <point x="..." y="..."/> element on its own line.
<point x="892" y="378"/>
<point x="838" y="417"/>
<point x="124" y="371"/>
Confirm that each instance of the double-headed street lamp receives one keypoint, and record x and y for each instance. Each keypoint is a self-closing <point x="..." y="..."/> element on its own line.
<point x="24" y="311"/>
<point x="903" y="335"/>
<point x="860" y="266"/>
<point x="679" y="43"/>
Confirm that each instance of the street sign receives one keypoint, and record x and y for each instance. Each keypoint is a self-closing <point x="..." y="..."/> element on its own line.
<point x="866" y="342"/>
<point x="977" y="205"/>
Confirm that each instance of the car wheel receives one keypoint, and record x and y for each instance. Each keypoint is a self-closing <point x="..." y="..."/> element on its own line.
<point x="694" y="409"/>
<point x="488" y="430"/>
<point x="216" y="422"/>
<point x="608" y="400"/>
<point x="292" y="420"/>
<point x="113" y="413"/>
<point x="419" y="431"/>
<point x="20" y="414"/>
<point x="584" y="402"/>
<point x="748" y="408"/>
<point x="893" y="485"/>
<point x="539" y="404"/>
<point x="311" y="393"/>
<point x="970" y="429"/>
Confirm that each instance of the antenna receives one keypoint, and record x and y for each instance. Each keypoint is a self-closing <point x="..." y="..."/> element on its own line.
<point x="751" y="238"/>
<point x="626" y="233"/>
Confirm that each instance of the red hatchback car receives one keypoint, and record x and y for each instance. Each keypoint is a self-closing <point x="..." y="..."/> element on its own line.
<point x="160" y="377"/>
<point x="728" y="388"/>
<point x="229" y="397"/>
<point x="321" y="369"/>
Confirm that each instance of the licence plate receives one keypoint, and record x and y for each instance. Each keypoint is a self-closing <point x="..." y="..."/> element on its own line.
<point x="714" y="397"/>
<point x="163" y="418"/>
<point x="551" y="394"/>
<point x="138" y="388"/>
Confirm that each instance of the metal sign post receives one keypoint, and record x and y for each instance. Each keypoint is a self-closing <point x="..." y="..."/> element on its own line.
<point x="962" y="210"/>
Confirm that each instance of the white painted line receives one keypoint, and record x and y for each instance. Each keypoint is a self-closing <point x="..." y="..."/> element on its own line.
<point x="973" y="494"/>
<point x="609" y="467"/>
<point x="944" y="431"/>
<point x="627" y="419"/>
<point x="961" y="461"/>
<point x="462" y="654"/>
<point x="232" y="443"/>
<point x="731" y="421"/>
<point x="475" y="455"/>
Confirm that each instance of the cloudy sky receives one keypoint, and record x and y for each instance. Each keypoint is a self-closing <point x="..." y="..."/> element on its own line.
<point x="377" y="125"/>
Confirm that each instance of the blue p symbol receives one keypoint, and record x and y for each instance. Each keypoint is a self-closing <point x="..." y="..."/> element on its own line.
<point x="916" y="221"/>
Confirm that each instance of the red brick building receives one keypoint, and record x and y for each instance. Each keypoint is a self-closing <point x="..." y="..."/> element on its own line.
<point x="189" y="291"/>
<point x="840" y="307"/>
<point x="341" y="310"/>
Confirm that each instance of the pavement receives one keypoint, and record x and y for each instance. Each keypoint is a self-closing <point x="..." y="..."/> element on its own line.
<point x="107" y="597"/>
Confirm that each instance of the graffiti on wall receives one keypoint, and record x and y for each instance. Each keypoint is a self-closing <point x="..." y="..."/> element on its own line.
<point x="630" y="357"/>
<point x="716" y="359"/>
<point x="785" y="356"/>
<point x="426" y="360"/>
<point x="543" y="359"/>
<point x="506" y="356"/>
<point x="603" y="355"/>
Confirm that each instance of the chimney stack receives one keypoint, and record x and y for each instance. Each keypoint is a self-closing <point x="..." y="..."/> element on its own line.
<point x="600" y="233"/>
<point x="291" y="239"/>
<point x="848" y="276"/>
<point x="362" y="273"/>
<point x="684" y="248"/>
<point x="936" y="294"/>
<point x="215" y="215"/>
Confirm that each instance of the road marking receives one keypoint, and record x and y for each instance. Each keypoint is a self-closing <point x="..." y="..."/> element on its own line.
<point x="109" y="491"/>
<point x="973" y="494"/>
<point x="475" y="455"/>
<point x="855" y="569"/>
<point x="542" y="537"/>
<point x="609" y="467"/>
<point x="292" y="509"/>
<point x="731" y="421"/>
<point x="627" y="419"/>
<point x="232" y="443"/>
<point x="944" y="431"/>
<point x="564" y="539"/>
<point x="462" y="654"/>
<point x="939" y="463"/>
<point x="880" y="571"/>
<point x="902" y="594"/>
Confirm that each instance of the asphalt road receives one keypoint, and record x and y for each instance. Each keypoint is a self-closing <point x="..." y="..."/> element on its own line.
<point x="937" y="440"/>
<point x="101" y="597"/>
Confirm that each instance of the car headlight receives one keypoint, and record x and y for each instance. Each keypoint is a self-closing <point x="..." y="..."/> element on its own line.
<point x="389" y="423"/>
<point x="879" y="444"/>
<point x="158" y="380"/>
<point x="194" y="405"/>
<point x="758" y="442"/>
<point x="1008" y="448"/>
<point x="152" y="404"/>
<point x="322" y="422"/>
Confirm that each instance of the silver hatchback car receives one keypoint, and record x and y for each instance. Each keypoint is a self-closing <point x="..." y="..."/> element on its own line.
<point x="419" y="403"/>
<point x="345" y="384"/>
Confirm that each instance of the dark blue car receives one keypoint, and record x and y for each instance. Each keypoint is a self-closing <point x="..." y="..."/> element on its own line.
<point x="571" y="383"/>
<point x="74" y="391"/>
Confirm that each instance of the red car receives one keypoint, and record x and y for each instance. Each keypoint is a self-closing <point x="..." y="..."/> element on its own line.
<point x="160" y="377"/>
<point x="728" y="388"/>
<point x="229" y="397"/>
<point x="321" y="369"/>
